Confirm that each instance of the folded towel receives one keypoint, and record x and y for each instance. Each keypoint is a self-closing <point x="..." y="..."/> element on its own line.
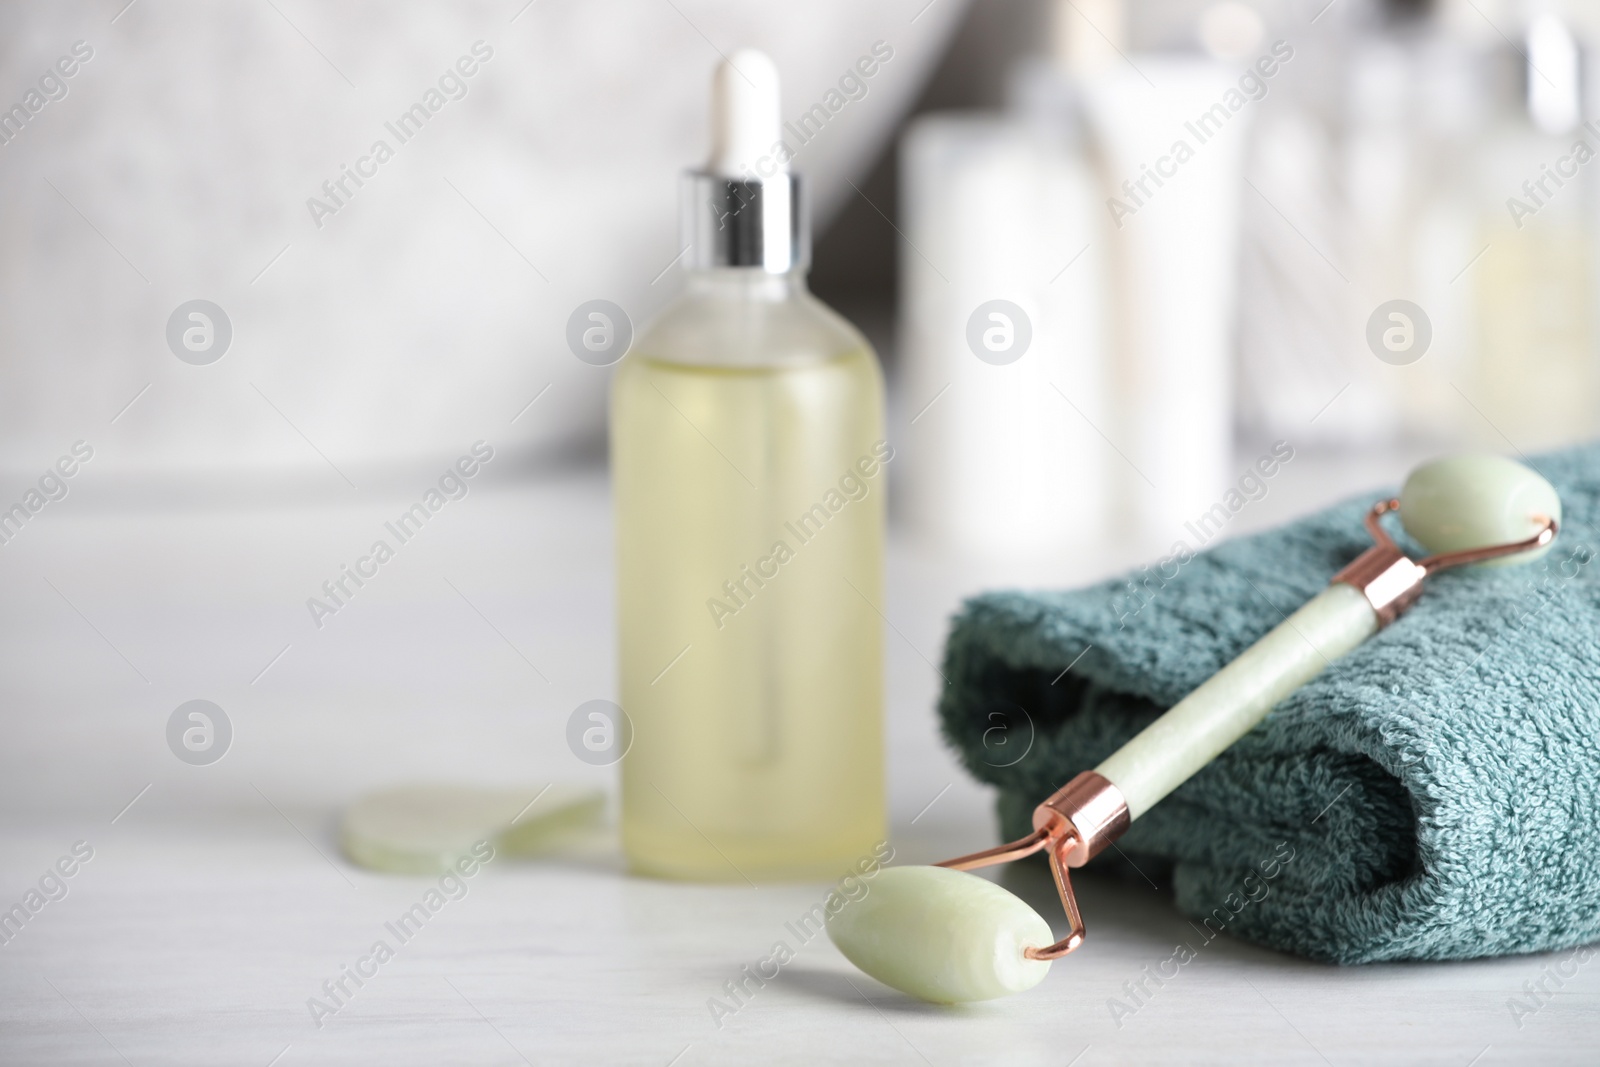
<point x="1433" y="795"/>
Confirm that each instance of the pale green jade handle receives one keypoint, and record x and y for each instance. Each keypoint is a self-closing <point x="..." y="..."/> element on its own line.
<point x="1231" y="702"/>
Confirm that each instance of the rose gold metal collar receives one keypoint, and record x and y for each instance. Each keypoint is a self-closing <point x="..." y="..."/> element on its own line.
<point x="1075" y="824"/>
<point x="1391" y="581"/>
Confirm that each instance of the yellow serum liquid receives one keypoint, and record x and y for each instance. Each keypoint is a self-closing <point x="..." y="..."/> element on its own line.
<point x="750" y="513"/>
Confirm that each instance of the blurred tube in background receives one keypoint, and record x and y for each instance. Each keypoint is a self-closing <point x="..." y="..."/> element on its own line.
<point x="1175" y="147"/>
<point x="1105" y="208"/>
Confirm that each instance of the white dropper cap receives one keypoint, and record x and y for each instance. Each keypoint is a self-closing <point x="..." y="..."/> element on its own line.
<point x="745" y="119"/>
<point x="745" y="209"/>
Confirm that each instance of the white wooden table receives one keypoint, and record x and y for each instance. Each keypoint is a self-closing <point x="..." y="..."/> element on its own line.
<point x="216" y="904"/>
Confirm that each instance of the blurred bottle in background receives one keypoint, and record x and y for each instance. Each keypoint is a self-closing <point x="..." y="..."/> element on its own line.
<point x="1004" y="309"/>
<point x="1533" y="372"/>
<point x="1446" y="108"/>
<point x="1297" y="349"/>
<point x="1432" y="160"/>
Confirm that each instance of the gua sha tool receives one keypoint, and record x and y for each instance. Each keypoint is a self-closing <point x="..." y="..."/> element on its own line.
<point x="426" y="829"/>
<point x="947" y="936"/>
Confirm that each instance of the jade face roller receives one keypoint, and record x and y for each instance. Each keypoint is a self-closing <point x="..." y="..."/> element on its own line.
<point x="946" y="936"/>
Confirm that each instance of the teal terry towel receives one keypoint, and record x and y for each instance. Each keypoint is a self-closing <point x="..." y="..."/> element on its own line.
<point x="1433" y="795"/>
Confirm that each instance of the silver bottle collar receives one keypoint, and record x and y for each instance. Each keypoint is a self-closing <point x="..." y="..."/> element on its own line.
<point x="730" y="222"/>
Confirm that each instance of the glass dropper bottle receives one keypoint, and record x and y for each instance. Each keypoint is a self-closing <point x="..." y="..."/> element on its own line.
<point x="748" y="467"/>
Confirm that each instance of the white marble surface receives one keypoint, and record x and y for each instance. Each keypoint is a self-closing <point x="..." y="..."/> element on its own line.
<point x="217" y="904"/>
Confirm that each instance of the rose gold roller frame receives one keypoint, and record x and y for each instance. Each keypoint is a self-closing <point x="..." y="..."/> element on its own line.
<point x="1081" y="818"/>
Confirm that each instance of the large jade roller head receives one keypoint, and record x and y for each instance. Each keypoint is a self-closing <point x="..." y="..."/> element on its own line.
<point x="947" y="936"/>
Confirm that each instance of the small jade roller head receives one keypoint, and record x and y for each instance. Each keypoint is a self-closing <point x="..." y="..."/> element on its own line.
<point x="1467" y="502"/>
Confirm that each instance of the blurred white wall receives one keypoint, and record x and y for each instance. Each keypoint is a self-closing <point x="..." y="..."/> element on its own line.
<point x="432" y="307"/>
